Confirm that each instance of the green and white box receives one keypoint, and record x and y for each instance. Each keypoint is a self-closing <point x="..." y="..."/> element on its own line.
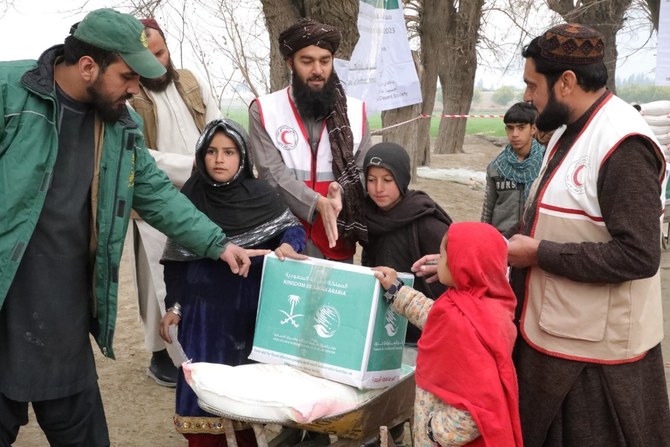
<point x="329" y="319"/>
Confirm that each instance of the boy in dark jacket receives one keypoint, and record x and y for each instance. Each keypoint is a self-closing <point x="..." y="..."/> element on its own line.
<point x="510" y="175"/>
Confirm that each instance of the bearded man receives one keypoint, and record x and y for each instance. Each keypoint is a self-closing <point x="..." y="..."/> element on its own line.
<point x="309" y="141"/>
<point x="174" y="108"/>
<point x="72" y="164"/>
<point x="586" y="264"/>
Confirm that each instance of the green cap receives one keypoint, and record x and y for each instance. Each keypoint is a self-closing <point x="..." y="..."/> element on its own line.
<point x="111" y="30"/>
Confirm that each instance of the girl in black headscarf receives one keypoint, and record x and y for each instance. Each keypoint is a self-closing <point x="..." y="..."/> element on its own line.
<point x="215" y="309"/>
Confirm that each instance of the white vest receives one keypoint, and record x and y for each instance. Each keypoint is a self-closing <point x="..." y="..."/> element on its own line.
<point x="283" y="124"/>
<point x="602" y="323"/>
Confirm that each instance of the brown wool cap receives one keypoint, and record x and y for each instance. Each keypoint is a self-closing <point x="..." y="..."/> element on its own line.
<point x="572" y="43"/>
<point x="153" y="24"/>
<point x="306" y="32"/>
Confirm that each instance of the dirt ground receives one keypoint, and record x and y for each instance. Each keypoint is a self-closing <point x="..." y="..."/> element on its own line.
<point x="139" y="412"/>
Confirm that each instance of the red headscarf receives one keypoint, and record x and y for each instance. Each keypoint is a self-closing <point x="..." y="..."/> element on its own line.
<point x="465" y="350"/>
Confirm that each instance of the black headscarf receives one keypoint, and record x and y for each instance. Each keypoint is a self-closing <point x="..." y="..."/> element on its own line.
<point x="244" y="202"/>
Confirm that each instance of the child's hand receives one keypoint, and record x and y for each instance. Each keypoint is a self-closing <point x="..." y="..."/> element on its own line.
<point x="385" y="275"/>
<point x="286" y="251"/>
<point x="426" y="267"/>
<point x="168" y="319"/>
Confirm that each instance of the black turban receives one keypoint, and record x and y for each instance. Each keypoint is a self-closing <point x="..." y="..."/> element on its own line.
<point x="306" y="32"/>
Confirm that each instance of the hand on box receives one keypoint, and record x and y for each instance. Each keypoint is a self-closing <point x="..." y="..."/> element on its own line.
<point x="286" y="251"/>
<point x="385" y="275"/>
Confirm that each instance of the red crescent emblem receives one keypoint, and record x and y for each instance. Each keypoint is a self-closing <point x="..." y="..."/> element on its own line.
<point x="575" y="175"/>
<point x="283" y="137"/>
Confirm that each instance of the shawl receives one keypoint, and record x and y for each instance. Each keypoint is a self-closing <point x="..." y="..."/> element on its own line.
<point x="350" y="222"/>
<point x="508" y="165"/>
<point x="465" y="351"/>
<point x="399" y="236"/>
<point x="412" y="206"/>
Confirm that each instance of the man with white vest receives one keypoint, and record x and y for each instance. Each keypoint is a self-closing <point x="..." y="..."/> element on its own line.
<point x="586" y="264"/>
<point x="309" y="140"/>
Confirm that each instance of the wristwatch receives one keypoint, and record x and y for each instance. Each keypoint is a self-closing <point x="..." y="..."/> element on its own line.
<point x="391" y="292"/>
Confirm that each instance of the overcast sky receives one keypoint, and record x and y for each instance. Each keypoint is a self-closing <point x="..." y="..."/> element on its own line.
<point x="34" y="25"/>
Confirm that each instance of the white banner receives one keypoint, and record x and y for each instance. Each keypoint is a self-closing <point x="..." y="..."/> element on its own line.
<point x="663" y="45"/>
<point x="381" y="71"/>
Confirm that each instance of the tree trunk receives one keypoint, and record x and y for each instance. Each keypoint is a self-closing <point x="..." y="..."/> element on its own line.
<point x="406" y="134"/>
<point x="653" y="9"/>
<point x="431" y="18"/>
<point x="448" y="39"/>
<point x="605" y="16"/>
<point x="456" y="72"/>
<point x="280" y="14"/>
<point x="343" y="14"/>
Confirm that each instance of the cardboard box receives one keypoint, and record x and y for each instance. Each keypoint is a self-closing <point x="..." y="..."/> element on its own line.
<point x="329" y="319"/>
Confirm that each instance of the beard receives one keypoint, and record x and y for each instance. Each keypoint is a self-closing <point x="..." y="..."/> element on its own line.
<point x="315" y="104"/>
<point x="160" y="84"/>
<point x="104" y="106"/>
<point x="554" y="115"/>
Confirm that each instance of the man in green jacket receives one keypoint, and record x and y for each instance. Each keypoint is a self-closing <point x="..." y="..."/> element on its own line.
<point x="72" y="165"/>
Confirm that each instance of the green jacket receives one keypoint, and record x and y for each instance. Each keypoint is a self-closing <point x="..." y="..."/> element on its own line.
<point x="128" y="178"/>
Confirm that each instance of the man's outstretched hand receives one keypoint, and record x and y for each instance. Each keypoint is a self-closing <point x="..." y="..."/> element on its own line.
<point x="238" y="258"/>
<point x="426" y="267"/>
<point x="329" y="208"/>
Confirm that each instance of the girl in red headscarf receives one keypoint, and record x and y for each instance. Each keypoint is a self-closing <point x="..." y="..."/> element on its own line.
<point x="467" y="390"/>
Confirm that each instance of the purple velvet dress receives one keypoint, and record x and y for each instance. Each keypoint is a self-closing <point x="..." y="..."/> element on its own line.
<point x="218" y="311"/>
